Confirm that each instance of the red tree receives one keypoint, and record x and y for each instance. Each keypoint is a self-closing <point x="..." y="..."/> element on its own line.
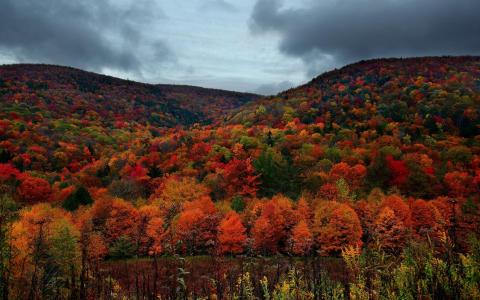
<point x="34" y="190"/>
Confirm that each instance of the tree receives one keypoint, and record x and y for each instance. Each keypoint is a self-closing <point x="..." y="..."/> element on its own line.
<point x="336" y="225"/>
<point x="151" y="230"/>
<point x="7" y="217"/>
<point x="196" y="225"/>
<point x="367" y="213"/>
<point x="155" y="231"/>
<point x="264" y="239"/>
<point x="271" y="230"/>
<point x="239" y="178"/>
<point x="46" y="242"/>
<point x="8" y="172"/>
<point x="231" y="234"/>
<point x="303" y="211"/>
<point x="302" y="239"/>
<point x="354" y="176"/>
<point x="399" y="207"/>
<point x="122" y="248"/>
<point x="174" y="192"/>
<point x="80" y="196"/>
<point x="33" y="190"/>
<point x="122" y="221"/>
<point x="426" y="220"/>
<point x="277" y="174"/>
<point x="238" y="204"/>
<point x="389" y="232"/>
<point x="458" y="183"/>
<point x="398" y="170"/>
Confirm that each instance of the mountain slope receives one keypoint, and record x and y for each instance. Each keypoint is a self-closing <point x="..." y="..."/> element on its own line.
<point x="429" y="91"/>
<point x="382" y="115"/>
<point x="62" y="92"/>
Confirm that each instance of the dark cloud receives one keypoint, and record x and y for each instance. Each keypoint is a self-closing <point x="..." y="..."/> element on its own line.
<point x="87" y="34"/>
<point x="334" y="32"/>
<point x="273" y="88"/>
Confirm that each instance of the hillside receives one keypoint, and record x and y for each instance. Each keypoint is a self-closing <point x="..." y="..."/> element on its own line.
<point x="63" y="92"/>
<point x="376" y="154"/>
<point x="432" y="92"/>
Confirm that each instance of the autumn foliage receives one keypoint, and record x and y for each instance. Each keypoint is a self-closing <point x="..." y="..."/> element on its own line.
<point x="231" y="234"/>
<point x="371" y="157"/>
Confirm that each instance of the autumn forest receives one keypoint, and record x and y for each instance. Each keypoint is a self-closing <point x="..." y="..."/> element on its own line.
<point x="362" y="184"/>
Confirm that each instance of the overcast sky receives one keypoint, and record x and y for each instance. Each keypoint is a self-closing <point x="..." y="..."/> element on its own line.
<point x="262" y="46"/>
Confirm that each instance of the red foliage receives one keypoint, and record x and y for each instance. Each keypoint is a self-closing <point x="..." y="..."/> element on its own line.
<point x="7" y="171"/>
<point x="240" y="178"/>
<point x="34" y="190"/>
<point x="353" y="175"/>
<point x="459" y="183"/>
<point x="399" y="207"/>
<point x="271" y="229"/>
<point x="399" y="170"/>
<point x="427" y="221"/>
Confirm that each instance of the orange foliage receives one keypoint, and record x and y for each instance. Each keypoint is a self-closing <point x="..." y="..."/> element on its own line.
<point x="302" y="239"/>
<point x="122" y="220"/>
<point x="336" y="225"/>
<point x="196" y="225"/>
<point x="231" y="234"/>
<point x="388" y="230"/>
<point x="399" y="207"/>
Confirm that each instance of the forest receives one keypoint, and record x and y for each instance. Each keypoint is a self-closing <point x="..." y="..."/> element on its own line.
<point x="362" y="184"/>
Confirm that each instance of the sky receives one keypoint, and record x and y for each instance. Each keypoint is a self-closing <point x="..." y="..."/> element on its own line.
<point x="261" y="46"/>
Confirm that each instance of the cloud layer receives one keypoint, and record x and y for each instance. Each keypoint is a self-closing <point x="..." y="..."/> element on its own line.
<point x="87" y="34"/>
<point x="334" y="32"/>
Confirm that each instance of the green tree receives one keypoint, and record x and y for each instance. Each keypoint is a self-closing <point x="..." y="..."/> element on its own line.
<point x="80" y="196"/>
<point x="277" y="174"/>
<point x="122" y="248"/>
<point x="238" y="204"/>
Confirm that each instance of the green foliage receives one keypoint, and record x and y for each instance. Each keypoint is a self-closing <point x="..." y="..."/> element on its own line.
<point x="122" y="248"/>
<point x="277" y="174"/>
<point x="397" y="111"/>
<point x="248" y="142"/>
<point x="238" y="204"/>
<point x="79" y="197"/>
<point x="333" y="154"/>
<point x="343" y="190"/>
<point x="459" y="154"/>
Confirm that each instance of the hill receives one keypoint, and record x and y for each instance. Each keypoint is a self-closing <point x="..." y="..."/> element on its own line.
<point x="63" y="92"/>
<point x="432" y="92"/>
